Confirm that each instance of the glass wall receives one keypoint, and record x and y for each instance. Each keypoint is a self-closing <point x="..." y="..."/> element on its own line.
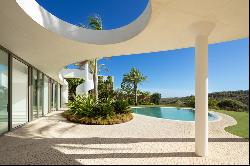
<point x="3" y="91"/>
<point x="46" y="95"/>
<point x="59" y="97"/>
<point x="40" y="96"/>
<point x="19" y="93"/>
<point x="34" y="95"/>
<point x="51" y="95"/>
<point x="56" y="96"/>
<point x="37" y="94"/>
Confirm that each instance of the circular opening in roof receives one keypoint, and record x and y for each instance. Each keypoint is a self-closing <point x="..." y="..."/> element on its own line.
<point x="114" y="13"/>
<point x="115" y="34"/>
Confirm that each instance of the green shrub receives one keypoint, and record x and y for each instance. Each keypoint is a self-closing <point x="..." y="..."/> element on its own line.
<point x="232" y="105"/>
<point x="89" y="107"/>
<point x="121" y="106"/>
<point x="103" y="109"/>
<point x="155" y="98"/>
<point x="179" y="103"/>
<point x="190" y="102"/>
<point x="146" y="103"/>
<point x="131" y="101"/>
<point x="83" y="106"/>
<point x="212" y="103"/>
<point x="86" y="110"/>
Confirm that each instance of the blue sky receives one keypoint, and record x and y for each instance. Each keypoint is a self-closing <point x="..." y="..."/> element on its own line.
<point x="114" y="13"/>
<point x="169" y="72"/>
<point x="172" y="73"/>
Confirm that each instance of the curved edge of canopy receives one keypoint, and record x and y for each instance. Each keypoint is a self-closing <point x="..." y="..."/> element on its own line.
<point x="76" y="33"/>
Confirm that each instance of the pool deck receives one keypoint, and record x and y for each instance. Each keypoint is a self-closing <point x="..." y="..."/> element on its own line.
<point x="144" y="140"/>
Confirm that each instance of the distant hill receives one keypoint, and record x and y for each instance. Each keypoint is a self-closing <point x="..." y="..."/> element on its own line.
<point x="236" y="99"/>
<point x="241" y="95"/>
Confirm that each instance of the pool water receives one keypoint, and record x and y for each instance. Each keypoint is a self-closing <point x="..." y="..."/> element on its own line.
<point x="172" y="113"/>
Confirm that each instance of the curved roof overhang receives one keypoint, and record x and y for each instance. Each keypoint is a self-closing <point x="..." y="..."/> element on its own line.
<point x="73" y="32"/>
<point x="168" y="29"/>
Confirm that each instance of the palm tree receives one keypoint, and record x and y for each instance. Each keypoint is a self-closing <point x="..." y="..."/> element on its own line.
<point x="94" y="23"/>
<point x="133" y="78"/>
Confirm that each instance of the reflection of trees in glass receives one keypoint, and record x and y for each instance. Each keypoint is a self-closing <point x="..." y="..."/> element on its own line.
<point x="34" y="92"/>
<point x="40" y="86"/>
<point x="3" y="97"/>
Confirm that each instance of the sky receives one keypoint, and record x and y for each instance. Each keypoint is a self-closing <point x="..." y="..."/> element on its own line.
<point x="114" y="13"/>
<point x="171" y="73"/>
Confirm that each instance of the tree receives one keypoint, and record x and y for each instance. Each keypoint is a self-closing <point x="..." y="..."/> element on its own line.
<point x="155" y="98"/>
<point x="144" y="97"/>
<point x="94" y="23"/>
<point x="105" y="88"/>
<point x="132" y="79"/>
<point x="73" y="83"/>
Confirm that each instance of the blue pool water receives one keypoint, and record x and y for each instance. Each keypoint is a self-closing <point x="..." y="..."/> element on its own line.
<point x="170" y="113"/>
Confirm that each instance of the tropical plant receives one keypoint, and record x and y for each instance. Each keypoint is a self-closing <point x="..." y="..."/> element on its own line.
<point x="132" y="79"/>
<point x="82" y="106"/>
<point x="87" y="106"/>
<point x="121" y="106"/>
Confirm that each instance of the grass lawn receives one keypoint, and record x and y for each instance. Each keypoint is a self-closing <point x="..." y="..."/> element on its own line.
<point x="242" y="127"/>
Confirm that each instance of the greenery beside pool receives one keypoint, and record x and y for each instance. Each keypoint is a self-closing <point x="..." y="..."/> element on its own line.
<point x="242" y="127"/>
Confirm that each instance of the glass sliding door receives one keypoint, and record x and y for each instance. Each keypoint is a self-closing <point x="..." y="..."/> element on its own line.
<point x="56" y="96"/>
<point x="40" y="97"/>
<point x="19" y="93"/>
<point x="46" y="95"/>
<point x="59" y="97"/>
<point x="37" y="94"/>
<point x="51" y="95"/>
<point x="3" y="91"/>
<point x="34" y="94"/>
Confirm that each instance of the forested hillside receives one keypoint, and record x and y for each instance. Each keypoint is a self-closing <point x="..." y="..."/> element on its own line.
<point x="228" y="100"/>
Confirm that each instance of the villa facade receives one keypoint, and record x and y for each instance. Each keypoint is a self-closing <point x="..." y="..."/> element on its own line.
<point x="35" y="46"/>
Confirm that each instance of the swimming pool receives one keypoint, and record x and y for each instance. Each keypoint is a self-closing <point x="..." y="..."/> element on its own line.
<point x="173" y="113"/>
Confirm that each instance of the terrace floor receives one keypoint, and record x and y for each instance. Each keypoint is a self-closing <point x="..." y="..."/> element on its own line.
<point x="144" y="140"/>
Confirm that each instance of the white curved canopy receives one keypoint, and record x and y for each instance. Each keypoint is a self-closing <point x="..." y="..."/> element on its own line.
<point x="73" y="32"/>
<point x="167" y="29"/>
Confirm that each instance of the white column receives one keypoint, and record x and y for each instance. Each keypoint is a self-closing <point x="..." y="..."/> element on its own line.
<point x="201" y="31"/>
<point x="86" y="71"/>
<point x="201" y="96"/>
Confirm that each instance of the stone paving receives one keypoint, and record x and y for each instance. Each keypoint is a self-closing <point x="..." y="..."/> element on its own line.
<point x="144" y="140"/>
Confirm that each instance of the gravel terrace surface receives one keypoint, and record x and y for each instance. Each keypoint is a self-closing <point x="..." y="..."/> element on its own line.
<point x="144" y="140"/>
